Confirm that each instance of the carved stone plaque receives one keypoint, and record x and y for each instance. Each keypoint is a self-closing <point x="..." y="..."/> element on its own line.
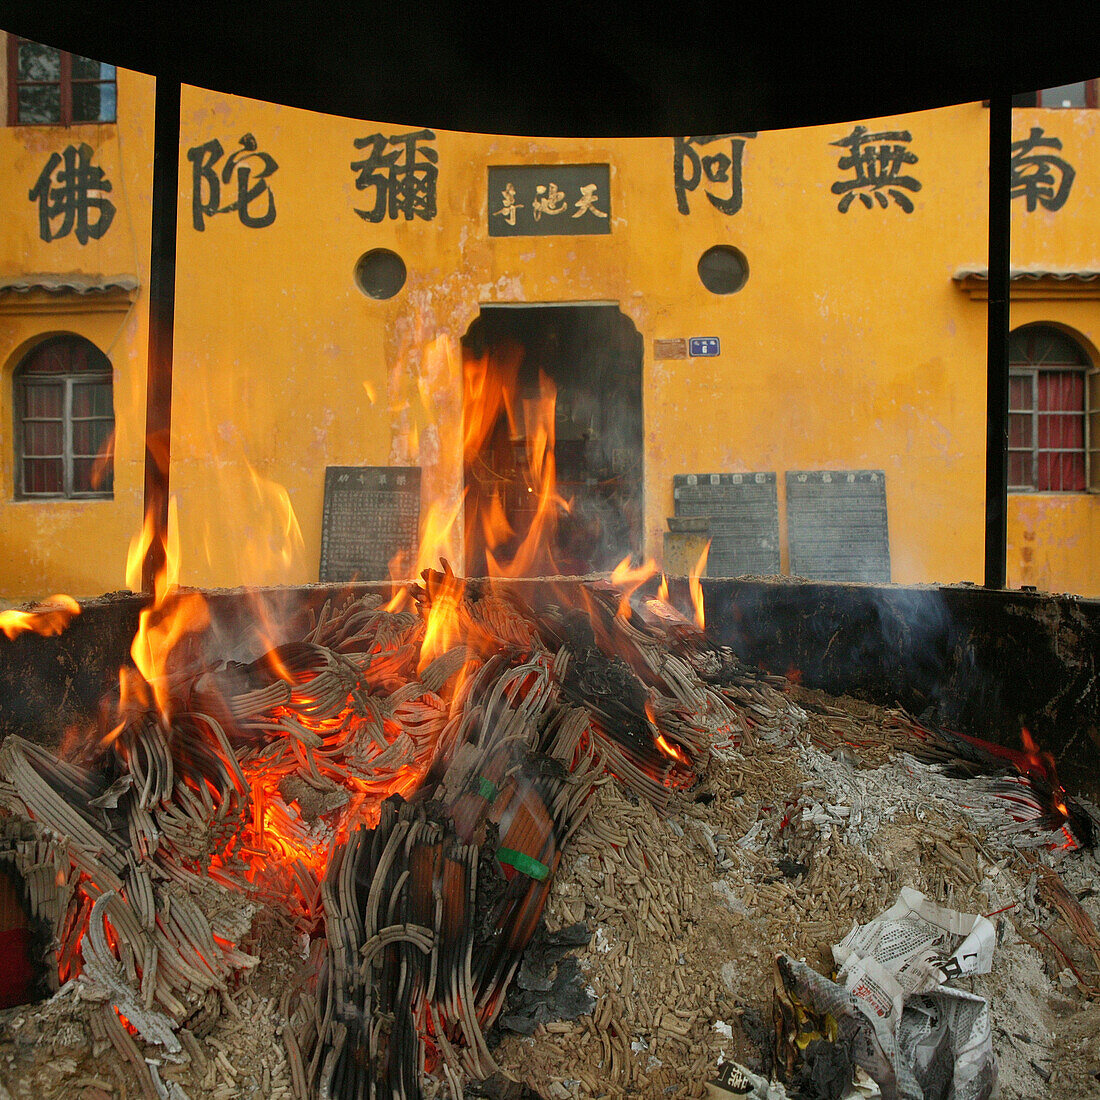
<point x="744" y="519"/>
<point x="836" y="525"/>
<point x="540" y="200"/>
<point x="371" y="513"/>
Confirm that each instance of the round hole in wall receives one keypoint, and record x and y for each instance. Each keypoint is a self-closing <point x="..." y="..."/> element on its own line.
<point x="723" y="269"/>
<point x="380" y="273"/>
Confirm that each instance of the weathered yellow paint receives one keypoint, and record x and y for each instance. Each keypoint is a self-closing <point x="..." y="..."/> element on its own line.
<point x="274" y="342"/>
<point x="1052" y="542"/>
<point x="850" y="347"/>
<point x="77" y="546"/>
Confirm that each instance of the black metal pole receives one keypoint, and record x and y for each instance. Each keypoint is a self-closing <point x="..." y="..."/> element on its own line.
<point x="996" y="448"/>
<point x="162" y="304"/>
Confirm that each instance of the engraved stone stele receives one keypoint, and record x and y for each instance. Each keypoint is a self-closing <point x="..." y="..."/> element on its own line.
<point x="371" y="514"/>
<point x="837" y="525"/>
<point x="744" y="519"/>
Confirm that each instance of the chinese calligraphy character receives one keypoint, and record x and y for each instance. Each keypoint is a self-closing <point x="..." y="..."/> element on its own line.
<point x="877" y="160"/>
<point x="509" y="206"/>
<point x="1035" y="176"/>
<point x="72" y="189"/>
<point x="549" y="201"/>
<point x="690" y="169"/>
<point x="403" y="179"/>
<point x="586" y="204"/>
<point x="250" y="185"/>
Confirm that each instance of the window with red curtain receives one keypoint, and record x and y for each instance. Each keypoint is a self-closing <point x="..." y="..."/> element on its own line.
<point x="64" y="421"/>
<point x="1046" y="420"/>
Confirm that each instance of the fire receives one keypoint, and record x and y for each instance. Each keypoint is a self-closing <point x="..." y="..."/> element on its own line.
<point x="253" y="774"/>
<point x="511" y="523"/>
<point x="671" y="750"/>
<point x="167" y="619"/>
<point x="1034" y="758"/>
<point x="50" y="617"/>
<point x="630" y="578"/>
<point x="443" y="629"/>
<point x="696" y="588"/>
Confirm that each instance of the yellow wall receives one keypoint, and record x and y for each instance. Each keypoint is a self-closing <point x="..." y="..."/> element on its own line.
<point x="830" y="356"/>
<point x="1054" y="538"/>
<point x="1052" y="542"/>
<point x="849" y="347"/>
<point x="77" y="546"/>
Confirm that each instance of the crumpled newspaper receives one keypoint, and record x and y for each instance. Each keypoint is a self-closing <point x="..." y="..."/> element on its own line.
<point x="892" y="1007"/>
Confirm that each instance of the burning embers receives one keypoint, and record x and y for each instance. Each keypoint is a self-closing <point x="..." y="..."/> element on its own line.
<point x="401" y="782"/>
<point x="399" y="785"/>
<point x="1016" y="793"/>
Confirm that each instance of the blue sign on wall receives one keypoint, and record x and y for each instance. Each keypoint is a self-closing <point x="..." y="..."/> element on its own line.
<point x="703" y="347"/>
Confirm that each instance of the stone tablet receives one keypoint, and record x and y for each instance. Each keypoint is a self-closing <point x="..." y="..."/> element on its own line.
<point x="371" y="513"/>
<point x="539" y="200"/>
<point x="744" y="519"/>
<point x="836" y="525"/>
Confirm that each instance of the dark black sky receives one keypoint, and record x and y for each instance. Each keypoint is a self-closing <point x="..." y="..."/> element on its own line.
<point x="564" y="67"/>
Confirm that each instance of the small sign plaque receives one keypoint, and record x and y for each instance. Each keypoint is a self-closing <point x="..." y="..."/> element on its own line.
<point x="836" y="525"/>
<point x="371" y="513"/>
<point x="670" y="349"/>
<point x="704" y="347"/>
<point x="540" y="200"/>
<point x="744" y="519"/>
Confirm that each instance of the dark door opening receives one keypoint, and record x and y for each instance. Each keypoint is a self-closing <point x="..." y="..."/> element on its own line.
<point x="570" y="374"/>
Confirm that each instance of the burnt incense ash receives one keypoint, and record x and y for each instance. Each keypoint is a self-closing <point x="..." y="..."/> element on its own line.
<point x="394" y="793"/>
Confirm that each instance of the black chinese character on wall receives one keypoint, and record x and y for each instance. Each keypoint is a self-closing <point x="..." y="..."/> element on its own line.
<point x="71" y="192"/>
<point x="401" y="172"/>
<point x="1040" y="178"/>
<point x="247" y="167"/>
<point x="877" y="161"/>
<point x="695" y="161"/>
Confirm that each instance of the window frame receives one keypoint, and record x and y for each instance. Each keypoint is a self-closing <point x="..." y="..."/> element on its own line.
<point x="1092" y="429"/>
<point x="65" y="82"/>
<point x="1090" y="414"/>
<point x="23" y="381"/>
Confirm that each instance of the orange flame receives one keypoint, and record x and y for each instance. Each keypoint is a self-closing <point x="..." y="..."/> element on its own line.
<point x="169" y="617"/>
<point x="630" y="579"/>
<point x="696" y="588"/>
<point x="511" y="519"/>
<point x="49" y="618"/>
<point x="443" y="629"/>
<point x="1036" y="759"/>
<point x="671" y="750"/>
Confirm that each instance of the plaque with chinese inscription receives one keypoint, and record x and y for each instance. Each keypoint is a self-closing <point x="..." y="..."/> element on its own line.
<point x="371" y="513"/>
<point x="744" y="519"/>
<point x="536" y="200"/>
<point x="836" y="525"/>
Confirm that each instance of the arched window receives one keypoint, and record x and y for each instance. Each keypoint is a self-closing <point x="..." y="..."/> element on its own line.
<point x="1047" y="411"/>
<point x="64" y="421"/>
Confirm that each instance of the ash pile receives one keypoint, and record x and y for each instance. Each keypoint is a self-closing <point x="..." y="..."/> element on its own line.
<point x="485" y="842"/>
